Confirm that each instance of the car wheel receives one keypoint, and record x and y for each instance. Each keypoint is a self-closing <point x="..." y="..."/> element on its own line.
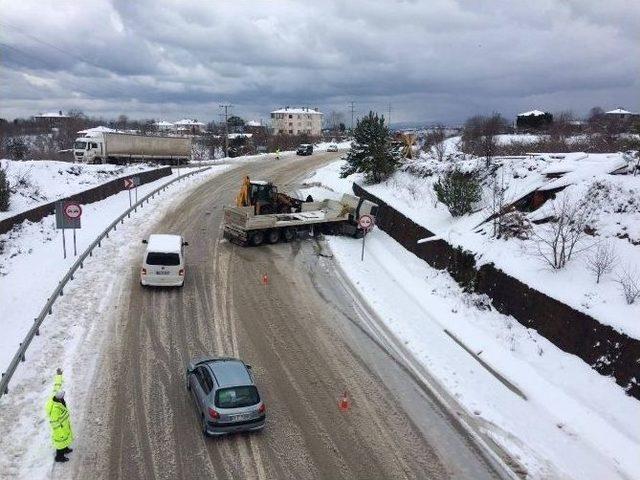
<point x="203" y="426"/>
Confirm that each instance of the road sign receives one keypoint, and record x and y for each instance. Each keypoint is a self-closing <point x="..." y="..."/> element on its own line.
<point x="128" y="183"/>
<point x="366" y="222"/>
<point x="136" y="181"/>
<point x="72" y="210"/>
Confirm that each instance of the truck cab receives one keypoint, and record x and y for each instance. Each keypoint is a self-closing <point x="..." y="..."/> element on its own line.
<point x="88" y="150"/>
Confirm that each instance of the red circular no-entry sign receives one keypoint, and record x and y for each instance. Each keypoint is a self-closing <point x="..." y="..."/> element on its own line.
<point x="72" y="210"/>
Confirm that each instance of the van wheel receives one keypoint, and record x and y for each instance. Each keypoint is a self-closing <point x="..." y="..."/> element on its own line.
<point x="256" y="238"/>
<point x="273" y="236"/>
<point x="288" y="234"/>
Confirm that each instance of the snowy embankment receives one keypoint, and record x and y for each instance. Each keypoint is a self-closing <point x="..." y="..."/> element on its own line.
<point x="32" y="264"/>
<point x="613" y="208"/>
<point x="572" y="423"/>
<point x="36" y="182"/>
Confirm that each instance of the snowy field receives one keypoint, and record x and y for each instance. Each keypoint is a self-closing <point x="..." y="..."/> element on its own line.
<point x="36" y="182"/>
<point x="571" y="423"/>
<point x="32" y="261"/>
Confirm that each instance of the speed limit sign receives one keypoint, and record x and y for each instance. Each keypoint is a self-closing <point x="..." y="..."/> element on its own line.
<point x="366" y="222"/>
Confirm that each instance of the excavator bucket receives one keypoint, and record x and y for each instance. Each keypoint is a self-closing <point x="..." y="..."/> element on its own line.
<point x="408" y="139"/>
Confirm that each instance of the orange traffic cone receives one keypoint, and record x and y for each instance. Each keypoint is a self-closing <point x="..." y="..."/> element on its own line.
<point x="344" y="403"/>
<point x="265" y="279"/>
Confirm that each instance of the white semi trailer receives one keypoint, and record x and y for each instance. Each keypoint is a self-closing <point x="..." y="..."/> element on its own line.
<point x="107" y="147"/>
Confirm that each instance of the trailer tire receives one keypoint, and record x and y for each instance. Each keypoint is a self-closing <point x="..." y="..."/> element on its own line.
<point x="256" y="238"/>
<point x="288" y="234"/>
<point x="273" y="236"/>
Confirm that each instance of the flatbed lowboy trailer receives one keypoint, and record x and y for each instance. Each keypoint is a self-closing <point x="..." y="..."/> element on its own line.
<point x="243" y="227"/>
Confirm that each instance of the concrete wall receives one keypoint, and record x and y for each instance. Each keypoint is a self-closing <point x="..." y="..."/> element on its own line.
<point x="87" y="196"/>
<point x="606" y="350"/>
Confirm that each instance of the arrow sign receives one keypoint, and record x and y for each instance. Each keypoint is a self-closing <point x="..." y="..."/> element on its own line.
<point x="129" y="183"/>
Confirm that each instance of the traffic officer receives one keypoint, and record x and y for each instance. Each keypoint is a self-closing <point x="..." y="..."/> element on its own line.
<point x="58" y="413"/>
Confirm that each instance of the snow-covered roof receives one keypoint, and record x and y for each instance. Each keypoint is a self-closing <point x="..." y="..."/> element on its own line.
<point x="620" y="111"/>
<point x="163" y="123"/>
<point x="535" y="113"/>
<point x="100" y="129"/>
<point x="189" y="122"/>
<point x="297" y="110"/>
<point x="578" y="166"/>
<point x="164" y="243"/>
<point x="51" y="115"/>
<point x="240" y="135"/>
<point x="253" y="123"/>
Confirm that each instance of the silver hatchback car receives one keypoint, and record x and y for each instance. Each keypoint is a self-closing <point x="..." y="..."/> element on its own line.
<point x="225" y="395"/>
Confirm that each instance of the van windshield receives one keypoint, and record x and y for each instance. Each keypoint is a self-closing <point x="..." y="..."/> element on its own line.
<point x="236" y="397"/>
<point x="161" y="258"/>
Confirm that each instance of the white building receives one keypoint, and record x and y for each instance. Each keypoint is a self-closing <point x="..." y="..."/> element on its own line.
<point x="188" y="126"/>
<point x="296" y="121"/>
<point x="164" y="126"/>
<point x="622" y="114"/>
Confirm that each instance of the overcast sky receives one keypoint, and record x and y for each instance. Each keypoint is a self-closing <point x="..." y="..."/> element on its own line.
<point x="432" y="60"/>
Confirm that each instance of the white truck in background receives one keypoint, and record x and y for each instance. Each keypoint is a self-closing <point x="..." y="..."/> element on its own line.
<point x="108" y="147"/>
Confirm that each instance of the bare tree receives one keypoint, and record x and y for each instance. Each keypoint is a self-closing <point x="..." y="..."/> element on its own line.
<point x="438" y="147"/>
<point x="498" y="202"/>
<point x="558" y="239"/>
<point x="602" y="260"/>
<point x="629" y="281"/>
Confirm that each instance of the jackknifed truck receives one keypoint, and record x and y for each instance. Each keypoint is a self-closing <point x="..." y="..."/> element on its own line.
<point x="245" y="226"/>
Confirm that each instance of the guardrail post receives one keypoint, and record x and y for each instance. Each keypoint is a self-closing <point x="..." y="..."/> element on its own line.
<point x="61" y="291"/>
<point x="6" y="387"/>
<point x="21" y="356"/>
<point x="37" y="329"/>
<point x="81" y="265"/>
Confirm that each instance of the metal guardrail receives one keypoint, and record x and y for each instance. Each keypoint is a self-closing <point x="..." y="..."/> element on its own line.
<point x="78" y="264"/>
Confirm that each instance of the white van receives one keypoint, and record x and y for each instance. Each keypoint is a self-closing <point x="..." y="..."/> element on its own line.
<point x="163" y="262"/>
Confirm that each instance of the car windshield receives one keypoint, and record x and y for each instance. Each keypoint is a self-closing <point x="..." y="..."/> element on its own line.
<point x="236" y="397"/>
<point x="79" y="145"/>
<point x="161" y="258"/>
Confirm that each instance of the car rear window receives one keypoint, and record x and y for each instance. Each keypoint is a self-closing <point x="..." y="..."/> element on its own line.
<point x="236" y="397"/>
<point x="159" y="258"/>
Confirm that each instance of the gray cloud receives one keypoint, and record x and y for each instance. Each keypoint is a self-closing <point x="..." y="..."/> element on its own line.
<point x="438" y="60"/>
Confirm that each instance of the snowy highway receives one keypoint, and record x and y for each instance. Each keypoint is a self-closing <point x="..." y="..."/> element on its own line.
<point x="300" y="334"/>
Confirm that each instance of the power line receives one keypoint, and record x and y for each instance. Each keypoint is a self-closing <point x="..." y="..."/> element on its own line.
<point x="226" y="128"/>
<point x="352" y="104"/>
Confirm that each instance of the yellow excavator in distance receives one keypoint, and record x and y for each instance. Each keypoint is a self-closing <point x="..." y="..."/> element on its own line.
<point x="265" y="198"/>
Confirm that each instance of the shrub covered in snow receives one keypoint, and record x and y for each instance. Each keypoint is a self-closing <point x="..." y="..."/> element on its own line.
<point x="629" y="281"/>
<point x="5" y="192"/>
<point x="459" y="191"/>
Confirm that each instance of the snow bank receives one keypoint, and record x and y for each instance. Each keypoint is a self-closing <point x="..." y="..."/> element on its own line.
<point x="36" y="182"/>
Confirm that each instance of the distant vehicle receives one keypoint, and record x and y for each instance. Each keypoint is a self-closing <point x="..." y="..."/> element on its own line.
<point x="332" y="148"/>
<point x="107" y="147"/>
<point x="163" y="262"/>
<point x="305" y="149"/>
<point x="225" y="396"/>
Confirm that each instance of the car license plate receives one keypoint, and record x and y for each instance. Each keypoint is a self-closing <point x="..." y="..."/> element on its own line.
<point x="162" y="272"/>
<point x="240" y="418"/>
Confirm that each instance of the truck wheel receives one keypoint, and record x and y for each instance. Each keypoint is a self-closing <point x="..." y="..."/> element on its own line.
<point x="256" y="238"/>
<point x="288" y="234"/>
<point x="273" y="236"/>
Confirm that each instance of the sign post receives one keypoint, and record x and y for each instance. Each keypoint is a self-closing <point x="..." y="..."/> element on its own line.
<point x="68" y="216"/>
<point x="365" y="223"/>
<point x="136" y="182"/>
<point x="129" y="184"/>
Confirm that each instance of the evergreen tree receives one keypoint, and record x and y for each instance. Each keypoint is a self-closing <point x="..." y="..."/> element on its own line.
<point x="5" y="192"/>
<point x="458" y="191"/>
<point x="372" y="152"/>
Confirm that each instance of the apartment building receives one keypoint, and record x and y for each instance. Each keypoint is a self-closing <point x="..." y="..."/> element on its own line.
<point x="296" y="121"/>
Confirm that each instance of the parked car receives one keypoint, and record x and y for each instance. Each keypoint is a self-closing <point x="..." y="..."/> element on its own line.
<point x="163" y="261"/>
<point x="332" y="148"/>
<point x="305" y="149"/>
<point x="225" y="396"/>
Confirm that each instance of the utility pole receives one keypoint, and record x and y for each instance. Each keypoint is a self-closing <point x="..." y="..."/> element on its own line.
<point x="389" y="117"/>
<point x="226" y="128"/>
<point x="352" y="105"/>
